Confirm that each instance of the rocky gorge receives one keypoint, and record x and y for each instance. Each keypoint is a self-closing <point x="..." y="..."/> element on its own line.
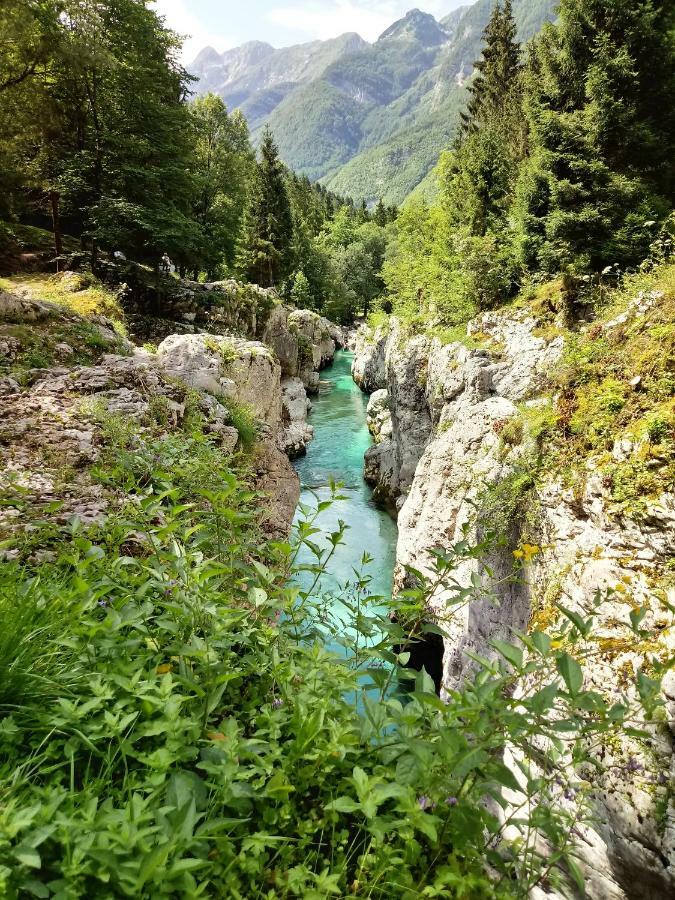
<point x="87" y="374"/>
<point x="461" y="454"/>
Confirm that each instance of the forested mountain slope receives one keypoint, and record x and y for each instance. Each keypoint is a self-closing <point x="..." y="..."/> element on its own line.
<point x="366" y="119"/>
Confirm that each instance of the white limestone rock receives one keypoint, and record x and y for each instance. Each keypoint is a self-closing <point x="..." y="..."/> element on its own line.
<point x="295" y="434"/>
<point x="244" y="371"/>
<point x="378" y="417"/>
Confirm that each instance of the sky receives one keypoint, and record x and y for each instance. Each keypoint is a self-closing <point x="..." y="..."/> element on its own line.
<point x="223" y="24"/>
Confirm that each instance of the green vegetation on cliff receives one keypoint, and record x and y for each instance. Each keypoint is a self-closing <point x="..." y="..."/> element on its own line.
<point x="172" y="723"/>
<point x="551" y="174"/>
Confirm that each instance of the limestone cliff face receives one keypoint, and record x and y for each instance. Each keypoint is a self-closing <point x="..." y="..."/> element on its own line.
<point x="51" y="415"/>
<point x="453" y="442"/>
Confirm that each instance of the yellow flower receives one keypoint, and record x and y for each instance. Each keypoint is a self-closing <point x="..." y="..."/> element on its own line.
<point x="163" y="669"/>
<point x="527" y="551"/>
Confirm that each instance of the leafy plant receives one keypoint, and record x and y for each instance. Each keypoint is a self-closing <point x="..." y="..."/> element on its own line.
<point x="198" y="731"/>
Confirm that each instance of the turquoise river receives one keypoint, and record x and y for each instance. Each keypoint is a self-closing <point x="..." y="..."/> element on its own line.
<point x="341" y="438"/>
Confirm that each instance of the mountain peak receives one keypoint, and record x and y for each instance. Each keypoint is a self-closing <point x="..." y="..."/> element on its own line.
<point x="418" y="26"/>
<point x="206" y="57"/>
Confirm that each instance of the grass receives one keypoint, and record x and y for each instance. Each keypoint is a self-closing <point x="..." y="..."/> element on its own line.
<point x="35" y="345"/>
<point x="34" y="239"/>
<point x="617" y="383"/>
<point x="91" y="299"/>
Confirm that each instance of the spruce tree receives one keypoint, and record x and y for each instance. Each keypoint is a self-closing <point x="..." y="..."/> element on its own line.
<point x="491" y="143"/>
<point x="497" y="71"/>
<point x="266" y="249"/>
<point x="380" y="216"/>
<point x="601" y="101"/>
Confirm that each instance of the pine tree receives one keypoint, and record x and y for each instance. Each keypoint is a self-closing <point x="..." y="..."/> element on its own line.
<point x="497" y="71"/>
<point x="380" y="216"/>
<point x="362" y="213"/>
<point x="266" y="256"/>
<point x="491" y="143"/>
<point x="601" y="102"/>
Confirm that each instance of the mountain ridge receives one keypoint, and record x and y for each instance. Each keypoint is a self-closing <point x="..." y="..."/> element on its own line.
<point x="365" y="119"/>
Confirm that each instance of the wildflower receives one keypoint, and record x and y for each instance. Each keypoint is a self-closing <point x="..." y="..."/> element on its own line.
<point x="104" y="603"/>
<point x="277" y="703"/>
<point x="451" y="801"/>
<point x="527" y="552"/>
<point x="425" y="802"/>
<point x="633" y="765"/>
<point x="164" y="668"/>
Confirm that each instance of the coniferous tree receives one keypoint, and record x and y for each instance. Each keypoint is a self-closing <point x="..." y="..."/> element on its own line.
<point x="491" y="143"/>
<point x="601" y="101"/>
<point x="362" y="213"/>
<point x="497" y="71"/>
<point x="266" y="256"/>
<point x="380" y="215"/>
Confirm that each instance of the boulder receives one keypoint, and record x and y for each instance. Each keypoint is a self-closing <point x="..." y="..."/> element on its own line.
<point x="243" y="371"/>
<point x="295" y="434"/>
<point x="378" y="416"/>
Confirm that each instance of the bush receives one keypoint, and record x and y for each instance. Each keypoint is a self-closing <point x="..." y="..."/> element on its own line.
<point x="243" y="420"/>
<point x="192" y="734"/>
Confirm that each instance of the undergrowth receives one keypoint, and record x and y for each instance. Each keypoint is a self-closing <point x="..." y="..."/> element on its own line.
<point x="173" y="724"/>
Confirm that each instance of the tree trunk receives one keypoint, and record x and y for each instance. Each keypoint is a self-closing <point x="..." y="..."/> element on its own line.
<point x="56" y="227"/>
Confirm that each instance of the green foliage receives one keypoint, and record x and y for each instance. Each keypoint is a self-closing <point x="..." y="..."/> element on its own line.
<point x="187" y="731"/>
<point x="223" y="162"/>
<point x="243" y="420"/>
<point x="507" y="501"/>
<point x="265" y="250"/>
<point x="616" y="384"/>
<point x="420" y="269"/>
<point x="301" y="293"/>
<point x="600" y="91"/>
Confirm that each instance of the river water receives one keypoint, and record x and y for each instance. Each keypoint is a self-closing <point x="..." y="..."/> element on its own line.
<point x="341" y="438"/>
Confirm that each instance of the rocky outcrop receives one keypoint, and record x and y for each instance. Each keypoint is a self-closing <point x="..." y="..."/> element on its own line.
<point x="53" y="417"/>
<point x="463" y="477"/>
<point x="240" y="370"/>
<point x="51" y="431"/>
<point x="295" y="433"/>
<point x="303" y="342"/>
<point x="370" y="348"/>
<point x="394" y="362"/>
<point x="378" y="416"/>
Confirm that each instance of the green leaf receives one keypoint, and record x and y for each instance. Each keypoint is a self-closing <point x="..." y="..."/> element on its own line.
<point x="636" y="617"/>
<point x="544" y="699"/>
<point x="407" y="769"/>
<point x="278" y="787"/>
<point x="577" y="874"/>
<point x="342" y="804"/>
<point x="28" y="856"/>
<point x="571" y="672"/>
<point x="582" y="627"/>
<point x="504" y="776"/>
<point x="471" y="760"/>
<point x="512" y="654"/>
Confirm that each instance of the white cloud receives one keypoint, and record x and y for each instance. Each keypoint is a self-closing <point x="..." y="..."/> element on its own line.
<point x="369" y="18"/>
<point x="197" y="34"/>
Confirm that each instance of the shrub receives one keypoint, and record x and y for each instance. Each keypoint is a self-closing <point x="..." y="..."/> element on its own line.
<point x="243" y="420"/>
<point x="203" y="739"/>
